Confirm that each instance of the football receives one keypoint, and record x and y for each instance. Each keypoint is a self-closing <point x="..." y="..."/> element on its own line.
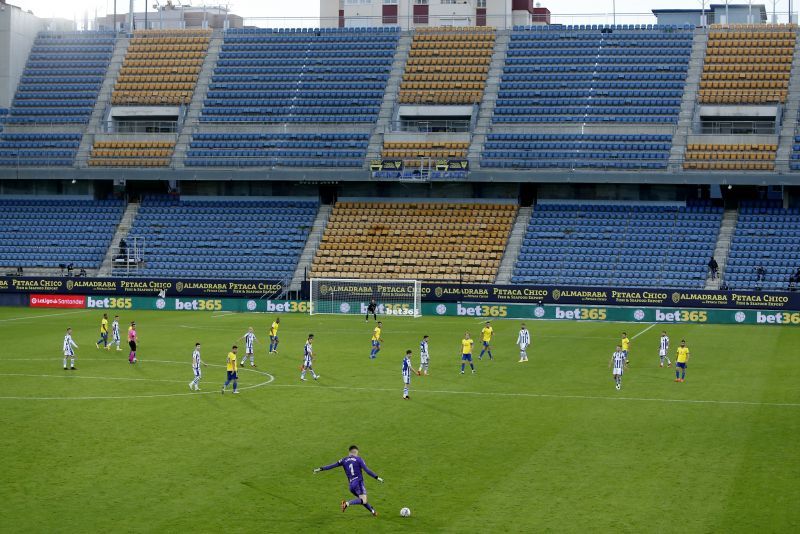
<point x="405" y="512"/>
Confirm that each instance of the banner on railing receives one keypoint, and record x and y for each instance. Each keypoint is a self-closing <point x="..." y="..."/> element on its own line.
<point x="588" y="296"/>
<point x="141" y="286"/>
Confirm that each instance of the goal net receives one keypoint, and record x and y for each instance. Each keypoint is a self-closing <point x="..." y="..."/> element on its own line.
<point x="353" y="296"/>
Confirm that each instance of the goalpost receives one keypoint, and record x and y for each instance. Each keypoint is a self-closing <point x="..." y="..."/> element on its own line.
<point x="352" y="296"/>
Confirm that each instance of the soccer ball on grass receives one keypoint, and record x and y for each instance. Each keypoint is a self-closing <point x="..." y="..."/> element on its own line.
<point x="405" y="512"/>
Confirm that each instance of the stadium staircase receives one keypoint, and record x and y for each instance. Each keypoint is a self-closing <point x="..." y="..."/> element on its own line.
<point x="101" y="108"/>
<point x="314" y="238"/>
<point x="506" y="269"/>
<point x="723" y="247"/>
<point x="689" y="101"/>
<point x="121" y="232"/>
<point x="198" y="98"/>
<point x="789" y="116"/>
<point x="389" y="104"/>
<point x="486" y="111"/>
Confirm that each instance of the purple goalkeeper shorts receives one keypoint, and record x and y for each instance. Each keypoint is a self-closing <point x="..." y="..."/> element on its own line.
<point x="357" y="487"/>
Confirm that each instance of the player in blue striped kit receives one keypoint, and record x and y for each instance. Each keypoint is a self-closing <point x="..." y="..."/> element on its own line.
<point x="407" y="369"/>
<point x="69" y="353"/>
<point x="353" y="467"/>
<point x="424" y="356"/>
<point x="249" y="340"/>
<point x="663" y="348"/>
<point x="196" y="363"/>
<point x="115" y="337"/>
<point x="523" y="340"/>
<point x="618" y="363"/>
<point x="308" y="359"/>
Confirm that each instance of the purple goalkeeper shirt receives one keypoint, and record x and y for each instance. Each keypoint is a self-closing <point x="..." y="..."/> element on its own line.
<point x="352" y="465"/>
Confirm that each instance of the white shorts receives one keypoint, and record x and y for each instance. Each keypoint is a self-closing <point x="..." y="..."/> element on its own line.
<point x="423" y="360"/>
<point x="662" y="352"/>
<point x="617" y="371"/>
<point x="69" y="353"/>
<point x="406" y="379"/>
<point x="523" y="347"/>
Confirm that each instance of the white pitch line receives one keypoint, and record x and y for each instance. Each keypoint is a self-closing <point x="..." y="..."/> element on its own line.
<point x="120" y="397"/>
<point x="554" y="396"/>
<point x="42" y="316"/>
<point x="73" y="376"/>
<point x="643" y="331"/>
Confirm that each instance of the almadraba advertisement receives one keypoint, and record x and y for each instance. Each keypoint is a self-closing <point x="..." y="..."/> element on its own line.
<point x="477" y="310"/>
<point x="349" y="291"/>
<point x="589" y="296"/>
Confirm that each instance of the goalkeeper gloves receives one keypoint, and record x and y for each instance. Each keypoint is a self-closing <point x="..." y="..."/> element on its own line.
<point x="318" y="469"/>
<point x="379" y="479"/>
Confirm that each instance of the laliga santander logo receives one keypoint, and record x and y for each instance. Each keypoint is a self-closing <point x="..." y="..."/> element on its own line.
<point x="538" y="312"/>
<point x="740" y="317"/>
<point x="161" y="304"/>
<point x="441" y="309"/>
<point x="638" y="315"/>
<point x="251" y="305"/>
<point x="344" y="307"/>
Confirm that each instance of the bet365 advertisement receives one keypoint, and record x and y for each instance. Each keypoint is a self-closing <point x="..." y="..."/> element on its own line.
<point x="611" y="313"/>
<point x="477" y="310"/>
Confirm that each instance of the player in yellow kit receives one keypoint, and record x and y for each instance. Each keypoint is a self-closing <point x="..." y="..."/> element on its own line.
<point x="486" y="336"/>
<point x="625" y="343"/>
<point x="376" y="341"/>
<point x="681" y="360"/>
<point x="273" y="336"/>
<point x="103" y="332"/>
<point x="466" y="352"/>
<point x="231" y="365"/>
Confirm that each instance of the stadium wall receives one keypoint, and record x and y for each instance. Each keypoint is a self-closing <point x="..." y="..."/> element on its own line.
<point x="532" y="312"/>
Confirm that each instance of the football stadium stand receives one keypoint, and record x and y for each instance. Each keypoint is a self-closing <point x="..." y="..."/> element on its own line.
<point x="259" y="239"/>
<point x="161" y="67"/>
<point x="331" y="75"/>
<point x="594" y="74"/>
<point x="575" y="151"/>
<point x="766" y="236"/>
<point x="415" y="152"/>
<point x="51" y="232"/>
<point x="38" y="149"/>
<point x="62" y="78"/>
<point x="274" y="149"/>
<point x="131" y="153"/>
<point x="445" y="242"/>
<point x="743" y="157"/>
<point x="794" y="164"/>
<point x="747" y="64"/>
<point x="618" y="244"/>
<point x="447" y="65"/>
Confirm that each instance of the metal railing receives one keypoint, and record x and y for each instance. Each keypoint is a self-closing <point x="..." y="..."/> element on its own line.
<point x="129" y="259"/>
<point x="141" y="127"/>
<point x="431" y="126"/>
<point x="737" y="127"/>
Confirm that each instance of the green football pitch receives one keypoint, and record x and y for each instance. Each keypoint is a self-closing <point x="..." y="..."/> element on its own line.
<point x="545" y="446"/>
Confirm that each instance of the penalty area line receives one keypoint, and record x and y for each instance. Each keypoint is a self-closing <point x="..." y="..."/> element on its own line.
<point x="555" y="396"/>
<point x="643" y="331"/>
<point x="42" y="316"/>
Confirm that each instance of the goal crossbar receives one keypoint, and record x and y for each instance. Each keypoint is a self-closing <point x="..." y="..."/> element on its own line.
<point x="353" y="296"/>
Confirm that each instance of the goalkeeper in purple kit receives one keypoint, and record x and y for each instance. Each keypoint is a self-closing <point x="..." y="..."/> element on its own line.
<point x="353" y="466"/>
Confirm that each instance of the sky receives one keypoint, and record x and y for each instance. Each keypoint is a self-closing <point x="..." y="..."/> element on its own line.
<point x="306" y="12"/>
